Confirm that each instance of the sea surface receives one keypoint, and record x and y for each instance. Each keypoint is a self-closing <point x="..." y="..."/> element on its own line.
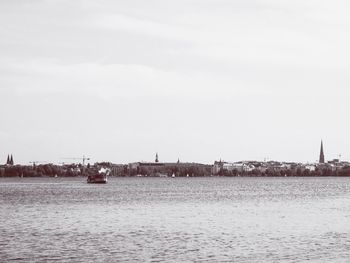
<point x="175" y="220"/>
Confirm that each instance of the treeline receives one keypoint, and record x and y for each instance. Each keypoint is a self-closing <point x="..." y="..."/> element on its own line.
<point x="46" y="170"/>
<point x="52" y="170"/>
<point x="169" y="170"/>
<point x="300" y="172"/>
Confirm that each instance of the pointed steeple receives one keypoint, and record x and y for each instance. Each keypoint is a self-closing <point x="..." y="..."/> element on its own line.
<point x="11" y="160"/>
<point x="8" y="159"/>
<point x="157" y="160"/>
<point x="321" y="153"/>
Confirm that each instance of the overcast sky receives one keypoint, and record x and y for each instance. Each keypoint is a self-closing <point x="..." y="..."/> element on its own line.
<point x="197" y="80"/>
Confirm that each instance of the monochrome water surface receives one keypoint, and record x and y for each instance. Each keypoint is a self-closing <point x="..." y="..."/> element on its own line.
<point x="175" y="220"/>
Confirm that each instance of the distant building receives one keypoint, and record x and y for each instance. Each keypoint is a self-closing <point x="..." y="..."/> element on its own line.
<point x="310" y="167"/>
<point x="334" y="161"/>
<point x="321" y="154"/>
<point x="9" y="160"/>
<point x="119" y="169"/>
<point x="217" y="167"/>
<point x="239" y="167"/>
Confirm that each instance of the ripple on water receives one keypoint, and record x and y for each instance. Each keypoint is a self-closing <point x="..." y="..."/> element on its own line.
<point x="181" y="220"/>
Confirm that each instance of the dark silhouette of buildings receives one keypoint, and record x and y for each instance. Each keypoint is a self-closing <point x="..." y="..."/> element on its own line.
<point x="321" y="154"/>
<point x="9" y="160"/>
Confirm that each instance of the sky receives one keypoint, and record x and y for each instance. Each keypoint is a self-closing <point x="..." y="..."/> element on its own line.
<point x="198" y="80"/>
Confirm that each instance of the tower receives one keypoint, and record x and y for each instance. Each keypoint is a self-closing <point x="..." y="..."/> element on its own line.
<point x="321" y="153"/>
<point x="157" y="160"/>
<point x="9" y="160"/>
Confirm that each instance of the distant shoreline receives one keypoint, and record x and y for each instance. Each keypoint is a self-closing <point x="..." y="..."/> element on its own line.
<point x="333" y="168"/>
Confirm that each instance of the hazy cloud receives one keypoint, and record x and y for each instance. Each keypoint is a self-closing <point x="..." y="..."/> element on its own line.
<point x="194" y="79"/>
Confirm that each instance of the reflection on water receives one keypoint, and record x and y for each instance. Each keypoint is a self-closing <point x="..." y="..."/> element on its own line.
<point x="175" y="220"/>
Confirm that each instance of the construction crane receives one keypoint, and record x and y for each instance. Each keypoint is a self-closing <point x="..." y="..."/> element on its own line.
<point x="84" y="158"/>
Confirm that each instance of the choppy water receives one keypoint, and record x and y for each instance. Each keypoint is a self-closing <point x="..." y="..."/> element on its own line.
<point x="175" y="220"/>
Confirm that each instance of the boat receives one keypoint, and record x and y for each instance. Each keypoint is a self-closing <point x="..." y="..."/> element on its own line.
<point x="98" y="178"/>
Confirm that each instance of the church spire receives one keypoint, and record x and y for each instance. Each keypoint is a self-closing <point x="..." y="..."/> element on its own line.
<point x="157" y="160"/>
<point x="321" y="153"/>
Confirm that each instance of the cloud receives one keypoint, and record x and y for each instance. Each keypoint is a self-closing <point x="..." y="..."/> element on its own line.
<point x="112" y="80"/>
<point x="192" y="69"/>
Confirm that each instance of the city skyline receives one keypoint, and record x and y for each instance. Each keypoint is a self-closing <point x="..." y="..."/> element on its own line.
<point x="195" y="80"/>
<point x="85" y="159"/>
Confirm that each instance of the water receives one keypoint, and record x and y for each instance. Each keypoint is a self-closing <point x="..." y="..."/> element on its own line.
<point x="175" y="220"/>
